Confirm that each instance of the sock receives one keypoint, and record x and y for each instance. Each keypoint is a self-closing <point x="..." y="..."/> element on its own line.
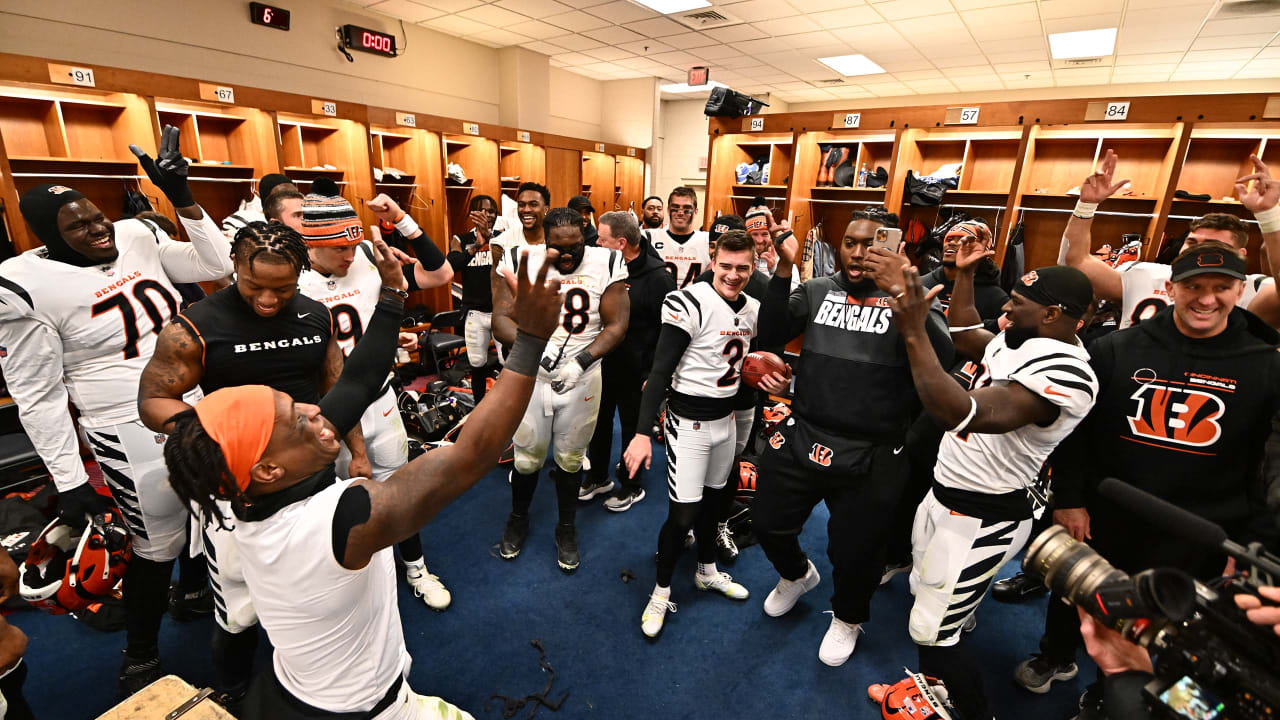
<point x="671" y="539"/>
<point x="11" y="686"/>
<point x="233" y="659"/>
<point x="478" y="383"/>
<point x="416" y="566"/>
<point x="567" y="484"/>
<point x="522" y="487"/>
<point x="662" y="592"/>
<point x="411" y="550"/>
<point x="707" y="570"/>
<point x="193" y="574"/>
<point x="146" y="597"/>
<point x="704" y="526"/>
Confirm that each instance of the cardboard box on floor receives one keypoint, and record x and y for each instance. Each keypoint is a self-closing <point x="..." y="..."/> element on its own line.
<point x="165" y="699"/>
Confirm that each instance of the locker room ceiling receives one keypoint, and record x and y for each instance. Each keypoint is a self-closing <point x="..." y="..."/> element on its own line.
<point x="925" y="46"/>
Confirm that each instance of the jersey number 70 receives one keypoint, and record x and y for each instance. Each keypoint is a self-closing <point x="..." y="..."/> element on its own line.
<point x="129" y="316"/>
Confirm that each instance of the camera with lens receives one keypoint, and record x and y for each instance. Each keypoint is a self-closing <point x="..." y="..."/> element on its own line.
<point x="1211" y="662"/>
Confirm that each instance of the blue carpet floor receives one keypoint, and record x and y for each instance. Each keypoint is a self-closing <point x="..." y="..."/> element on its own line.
<point x="715" y="657"/>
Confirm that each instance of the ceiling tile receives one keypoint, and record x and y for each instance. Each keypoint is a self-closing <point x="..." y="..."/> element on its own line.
<point x="620" y="12"/>
<point x="757" y="10"/>
<point x="677" y="58"/>
<point x="936" y="27"/>
<point x="615" y="35"/>
<point x="1027" y="79"/>
<point x="575" y="42"/>
<point x="363" y="3"/>
<point x="500" y="37"/>
<point x="1050" y="9"/>
<point x="1223" y="69"/>
<point x="1003" y="16"/>
<point x="1019" y="56"/>
<point x="1149" y="59"/>
<point x="493" y="15"/>
<point x="1233" y="26"/>
<point x="975" y="4"/>
<point x="905" y="60"/>
<point x="532" y="8"/>
<point x="1036" y="66"/>
<point x="646" y="47"/>
<point x="1144" y="4"/>
<point x="642" y="64"/>
<point x="574" y="58"/>
<point x="1158" y="17"/>
<point x="689" y="40"/>
<point x="901" y="9"/>
<point x="407" y="11"/>
<point x="786" y="26"/>
<point x="483" y="39"/>
<point x="454" y="6"/>
<point x="915" y="75"/>
<point x="718" y="52"/>
<point x="576" y="20"/>
<point x="1084" y="22"/>
<point x="1133" y="42"/>
<point x="1145" y="73"/>
<point x="734" y="34"/>
<point x="1084" y="76"/>
<point x="855" y="92"/>
<point x="929" y="87"/>
<point x="969" y="71"/>
<point x="868" y="38"/>
<point x="536" y="29"/>
<point x="604" y="67"/>
<point x="737" y="63"/>
<point x="1269" y="53"/>
<point x="759" y="46"/>
<point x="847" y="17"/>
<point x="1224" y="42"/>
<point x="656" y="27"/>
<point x="956" y="49"/>
<point x="813" y="43"/>
<point x="999" y="34"/>
<point x="556" y="63"/>
<point x="1240" y="54"/>
<point x="608" y="53"/>
<point x="545" y="48"/>
<point x="455" y="25"/>
<point x="976" y="84"/>
<point x="1260" y="69"/>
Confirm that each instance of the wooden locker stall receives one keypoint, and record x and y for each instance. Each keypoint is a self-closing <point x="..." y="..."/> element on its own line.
<point x="830" y="205"/>
<point x="315" y="146"/>
<point x="80" y="138"/>
<point x="628" y="176"/>
<point x="479" y="159"/>
<point x="598" y="182"/>
<point x="521" y="162"/>
<point x="726" y="195"/>
<point x="564" y="174"/>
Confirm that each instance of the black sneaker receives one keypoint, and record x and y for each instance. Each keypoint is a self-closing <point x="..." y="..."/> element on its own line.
<point x="513" y="536"/>
<point x="184" y="607"/>
<point x="1038" y="672"/>
<point x="567" y="547"/>
<point x="622" y="500"/>
<point x="1018" y="588"/>
<point x="138" y="672"/>
<point x="591" y="488"/>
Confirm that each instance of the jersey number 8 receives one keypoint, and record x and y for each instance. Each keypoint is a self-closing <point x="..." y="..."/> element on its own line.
<point x="577" y="307"/>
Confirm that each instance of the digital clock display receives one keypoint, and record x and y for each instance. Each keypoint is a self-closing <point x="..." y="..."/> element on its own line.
<point x="275" y="17"/>
<point x="371" y="41"/>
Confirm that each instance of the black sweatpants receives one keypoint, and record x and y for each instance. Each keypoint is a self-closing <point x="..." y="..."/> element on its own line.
<point x="861" y="508"/>
<point x="923" y="440"/>
<point x="621" y="392"/>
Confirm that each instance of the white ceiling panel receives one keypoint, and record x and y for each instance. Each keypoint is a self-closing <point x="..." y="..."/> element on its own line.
<point x="455" y="25"/>
<point x="976" y="4"/>
<point x="1009" y="15"/>
<point x="574" y="58"/>
<point x="453" y="6"/>
<point x="545" y="48"/>
<point x="575" y="42"/>
<point x="689" y="40"/>
<point x="1149" y="59"/>
<point x="1225" y="42"/>
<point x="656" y="27"/>
<point x="1055" y="9"/>
<point x="615" y="35"/>
<point x="576" y="21"/>
<point x="734" y="34"/>
<point x="648" y="46"/>
<point x="894" y="10"/>
<point x="493" y="16"/>
<point x="531" y="8"/>
<point x="537" y="30"/>
<point x="1220" y="55"/>
<point x="1242" y="26"/>
<point x="407" y="11"/>
<point x="608" y="53"/>
<point x="757" y="10"/>
<point x="621" y="11"/>
<point x="786" y="26"/>
<point x="847" y="17"/>
<point x="1260" y="69"/>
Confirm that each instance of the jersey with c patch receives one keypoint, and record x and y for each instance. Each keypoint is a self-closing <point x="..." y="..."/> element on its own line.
<point x="685" y="260"/>
<point x="1144" y="294"/>
<point x="720" y="336"/>
<point x="996" y="463"/>
<point x="580" y="320"/>
<point x="351" y="299"/>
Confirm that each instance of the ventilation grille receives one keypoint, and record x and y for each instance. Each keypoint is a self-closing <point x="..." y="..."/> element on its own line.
<point x="1247" y="8"/>
<point x="1096" y="62"/>
<point x="829" y="83"/>
<point x="707" y="20"/>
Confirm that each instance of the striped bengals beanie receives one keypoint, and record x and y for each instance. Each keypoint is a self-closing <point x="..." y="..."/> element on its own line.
<point x="330" y="222"/>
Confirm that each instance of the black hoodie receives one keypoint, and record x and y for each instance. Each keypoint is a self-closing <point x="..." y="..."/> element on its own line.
<point x="988" y="297"/>
<point x="1182" y="418"/>
<point x="646" y="288"/>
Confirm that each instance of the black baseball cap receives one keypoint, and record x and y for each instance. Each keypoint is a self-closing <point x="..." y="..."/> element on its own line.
<point x="1060" y="285"/>
<point x="269" y="183"/>
<point x="1205" y="259"/>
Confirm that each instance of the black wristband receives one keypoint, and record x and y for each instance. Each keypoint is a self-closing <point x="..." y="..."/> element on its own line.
<point x="584" y="359"/>
<point x="390" y="303"/>
<point x="428" y="254"/>
<point x="525" y="354"/>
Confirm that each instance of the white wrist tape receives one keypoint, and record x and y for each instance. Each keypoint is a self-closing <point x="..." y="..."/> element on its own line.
<point x="1084" y="210"/>
<point x="407" y="226"/>
<point x="966" y="328"/>
<point x="1268" y="220"/>
<point x="973" y="410"/>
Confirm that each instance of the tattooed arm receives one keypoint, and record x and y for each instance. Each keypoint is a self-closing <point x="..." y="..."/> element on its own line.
<point x="174" y="369"/>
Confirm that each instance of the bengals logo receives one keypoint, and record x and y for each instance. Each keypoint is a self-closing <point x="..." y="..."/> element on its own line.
<point x="59" y="189"/>
<point x="820" y="454"/>
<point x="1177" y="415"/>
<point x="355" y="232"/>
<point x="776" y="441"/>
<point x="1030" y="278"/>
<point x="746" y="476"/>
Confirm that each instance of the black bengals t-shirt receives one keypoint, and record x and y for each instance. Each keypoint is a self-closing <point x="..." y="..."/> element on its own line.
<point x="285" y="351"/>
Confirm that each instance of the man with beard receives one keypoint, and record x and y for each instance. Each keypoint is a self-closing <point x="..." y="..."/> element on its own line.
<point x="685" y="249"/>
<point x="854" y="400"/>
<point x="651" y="213"/>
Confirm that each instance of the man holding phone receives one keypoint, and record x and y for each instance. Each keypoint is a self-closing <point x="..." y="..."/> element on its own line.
<point x="854" y="399"/>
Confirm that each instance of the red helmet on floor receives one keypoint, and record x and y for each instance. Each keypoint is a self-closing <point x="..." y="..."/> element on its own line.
<point x="66" y="572"/>
<point x="915" y="697"/>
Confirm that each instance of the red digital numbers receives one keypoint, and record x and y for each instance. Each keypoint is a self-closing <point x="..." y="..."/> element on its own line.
<point x="381" y="43"/>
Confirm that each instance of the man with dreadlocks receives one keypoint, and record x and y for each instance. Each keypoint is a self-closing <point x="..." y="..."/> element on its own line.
<point x="78" y="320"/>
<point x="259" y="330"/>
<point x="316" y="549"/>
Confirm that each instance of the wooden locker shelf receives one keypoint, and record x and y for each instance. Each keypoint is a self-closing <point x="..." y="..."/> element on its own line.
<point x="598" y="181"/>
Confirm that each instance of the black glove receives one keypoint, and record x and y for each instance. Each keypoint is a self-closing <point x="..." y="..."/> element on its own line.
<point x="169" y="173"/>
<point x="77" y="505"/>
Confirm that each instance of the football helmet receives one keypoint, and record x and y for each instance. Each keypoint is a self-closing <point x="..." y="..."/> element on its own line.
<point x="66" y="572"/>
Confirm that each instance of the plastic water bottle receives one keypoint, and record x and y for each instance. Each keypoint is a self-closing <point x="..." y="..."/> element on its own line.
<point x="862" y="176"/>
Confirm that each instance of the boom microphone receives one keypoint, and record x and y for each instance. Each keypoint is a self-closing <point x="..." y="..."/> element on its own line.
<point x="1164" y="514"/>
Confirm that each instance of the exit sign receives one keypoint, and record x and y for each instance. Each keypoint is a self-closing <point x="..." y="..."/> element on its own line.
<point x="699" y="76"/>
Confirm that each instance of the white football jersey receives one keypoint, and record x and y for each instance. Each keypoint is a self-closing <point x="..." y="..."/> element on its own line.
<point x="351" y="299"/>
<point x="1145" y="295"/>
<point x="1006" y="462"/>
<point x="86" y="333"/>
<point x="686" y="260"/>
<point x="580" y="320"/>
<point x="720" y="338"/>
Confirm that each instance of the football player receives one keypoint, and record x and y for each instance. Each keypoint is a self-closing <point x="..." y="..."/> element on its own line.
<point x="344" y="277"/>
<point x="469" y="255"/>
<point x="1140" y="287"/>
<point x="269" y="185"/>
<point x="1034" y="386"/>
<point x="567" y="396"/>
<point x="651" y="213"/>
<point x="684" y="249"/>
<point x="79" y="319"/>
<point x="707" y="331"/>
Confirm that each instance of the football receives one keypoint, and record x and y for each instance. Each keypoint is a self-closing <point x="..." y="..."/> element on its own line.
<point x="759" y="364"/>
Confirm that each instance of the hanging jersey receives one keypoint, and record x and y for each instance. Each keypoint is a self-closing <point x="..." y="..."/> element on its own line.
<point x="350" y="299"/>
<point x="1144" y="291"/>
<point x="685" y="260"/>
<point x="285" y="351"/>
<point x="996" y="463"/>
<point x="719" y="339"/>
<point x="580" y="320"/>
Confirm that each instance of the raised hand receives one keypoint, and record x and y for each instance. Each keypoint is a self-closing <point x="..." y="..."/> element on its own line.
<point x="1265" y="192"/>
<point x="389" y="267"/>
<point x="480" y="222"/>
<point x="537" y="303"/>
<point x="385" y="208"/>
<point x="169" y="170"/>
<point x="1101" y="185"/>
<point x="885" y="267"/>
<point x="909" y="301"/>
<point x="789" y="250"/>
<point x="973" y="250"/>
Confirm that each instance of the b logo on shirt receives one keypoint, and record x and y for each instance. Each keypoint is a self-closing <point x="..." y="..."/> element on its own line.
<point x="1177" y="415"/>
<point x="776" y="441"/>
<point x="820" y="454"/>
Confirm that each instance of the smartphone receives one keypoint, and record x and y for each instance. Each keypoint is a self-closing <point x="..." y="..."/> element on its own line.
<point x="887" y="238"/>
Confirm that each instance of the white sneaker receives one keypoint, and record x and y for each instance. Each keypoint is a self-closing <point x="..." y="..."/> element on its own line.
<point x="721" y="582"/>
<point x="429" y="588"/>
<point x="784" y="595"/>
<point x="654" y="613"/>
<point x="839" y="642"/>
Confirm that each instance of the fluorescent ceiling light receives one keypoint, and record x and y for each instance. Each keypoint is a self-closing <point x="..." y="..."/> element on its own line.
<point x="851" y="65"/>
<point x="666" y="7"/>
<point x="687" y="88"/>
<point x="1082" y="44"/>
